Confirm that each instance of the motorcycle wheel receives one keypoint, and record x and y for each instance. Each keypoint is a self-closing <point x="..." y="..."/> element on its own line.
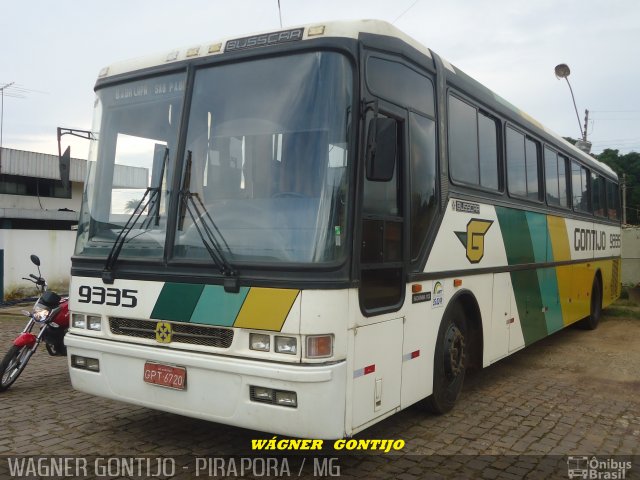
<point x="12" y="366"/>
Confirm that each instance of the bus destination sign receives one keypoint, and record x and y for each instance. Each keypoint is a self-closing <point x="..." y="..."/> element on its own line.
<point x="264" y="40"/>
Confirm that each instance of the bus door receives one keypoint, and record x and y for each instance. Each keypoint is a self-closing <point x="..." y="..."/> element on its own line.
<point x="379" y="332"/>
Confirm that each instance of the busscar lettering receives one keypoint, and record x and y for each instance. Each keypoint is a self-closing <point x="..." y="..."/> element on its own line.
<point x="585" y="239"/>
<point x="264" y="40"/>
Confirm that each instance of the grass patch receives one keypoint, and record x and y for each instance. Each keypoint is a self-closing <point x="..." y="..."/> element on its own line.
<point x="620" y="311"/>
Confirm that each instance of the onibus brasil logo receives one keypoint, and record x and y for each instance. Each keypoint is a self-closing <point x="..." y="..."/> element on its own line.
<point x="473" y="238"/>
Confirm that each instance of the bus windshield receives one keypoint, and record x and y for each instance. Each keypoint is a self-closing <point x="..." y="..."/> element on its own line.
<point x="136" y="127"/>
<point x="268" y="148"/>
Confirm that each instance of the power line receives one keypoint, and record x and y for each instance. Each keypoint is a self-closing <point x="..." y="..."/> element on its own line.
<point x="403" y="13"/>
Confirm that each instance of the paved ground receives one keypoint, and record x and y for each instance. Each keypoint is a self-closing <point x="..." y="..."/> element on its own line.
<point x="576" y="393"/>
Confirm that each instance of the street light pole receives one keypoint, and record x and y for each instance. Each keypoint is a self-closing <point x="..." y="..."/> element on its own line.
<point x="563" y="71"/>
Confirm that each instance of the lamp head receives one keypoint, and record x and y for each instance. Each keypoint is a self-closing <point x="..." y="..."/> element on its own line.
<point x="562" y="71"/>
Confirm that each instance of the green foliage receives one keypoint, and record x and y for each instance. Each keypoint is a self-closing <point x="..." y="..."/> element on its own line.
<point x="628" y="164"/>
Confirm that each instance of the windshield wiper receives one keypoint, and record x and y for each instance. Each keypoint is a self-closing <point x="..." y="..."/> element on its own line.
<point x="153" y="203"/>
<point x="107" y="272"/>
<point x="209" y="233"/>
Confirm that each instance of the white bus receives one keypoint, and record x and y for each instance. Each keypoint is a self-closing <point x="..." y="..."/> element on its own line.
<point x="332" y="223"/>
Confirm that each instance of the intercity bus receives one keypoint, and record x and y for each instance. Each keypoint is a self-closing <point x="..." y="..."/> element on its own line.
<point x="321" y="226"/>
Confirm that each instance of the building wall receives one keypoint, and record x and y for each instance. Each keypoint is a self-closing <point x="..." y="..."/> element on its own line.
<point x="631" y="256"/>
<point x="54" y="247"/>
<point x="48" y="203"/>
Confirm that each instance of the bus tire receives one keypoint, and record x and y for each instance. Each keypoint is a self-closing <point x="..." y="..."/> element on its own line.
<point x="450" y="360"/>
<point x="595" y="311"/>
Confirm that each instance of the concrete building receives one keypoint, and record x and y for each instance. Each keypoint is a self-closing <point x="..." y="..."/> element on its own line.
<point x="37" y="215"/>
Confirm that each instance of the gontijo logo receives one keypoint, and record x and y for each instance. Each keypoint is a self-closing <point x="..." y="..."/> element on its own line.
<point x="473" y="238"/>
<point x="164" y="333"/>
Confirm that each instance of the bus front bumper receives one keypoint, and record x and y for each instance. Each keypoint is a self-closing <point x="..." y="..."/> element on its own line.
<point x="217" y="388"/>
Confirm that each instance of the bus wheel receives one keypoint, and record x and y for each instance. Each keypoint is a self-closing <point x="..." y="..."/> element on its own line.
<point x="449" y="360"/>
<point x="595" y="312"/>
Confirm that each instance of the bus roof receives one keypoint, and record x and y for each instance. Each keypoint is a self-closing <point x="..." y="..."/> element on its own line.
<point x="344" y="29"/>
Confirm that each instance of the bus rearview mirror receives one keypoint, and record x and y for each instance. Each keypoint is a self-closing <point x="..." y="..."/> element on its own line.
<point x="382" y="144"/>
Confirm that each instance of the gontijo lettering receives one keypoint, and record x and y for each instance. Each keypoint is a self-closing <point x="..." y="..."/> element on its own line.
<point x="382" y="445"/>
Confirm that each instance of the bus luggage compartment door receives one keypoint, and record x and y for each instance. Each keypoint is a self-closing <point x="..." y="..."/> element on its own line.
<point x="377" y="370"/>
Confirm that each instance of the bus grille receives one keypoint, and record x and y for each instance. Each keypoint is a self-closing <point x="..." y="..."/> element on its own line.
<point x="182" y="332"/>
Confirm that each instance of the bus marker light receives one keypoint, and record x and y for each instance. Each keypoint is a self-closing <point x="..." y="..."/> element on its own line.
<point x="315" y="31"/>
<point x="416" y="288"/>
<point x="457" y="282"/>
<point x="193" y="52"/>
<point x="215" y="48"/>
<point x="319" y="346"/>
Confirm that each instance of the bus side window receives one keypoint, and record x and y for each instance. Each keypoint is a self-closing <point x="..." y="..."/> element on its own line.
<point x="473" y="145"/>
<point x="599" y="196"/>
<point x="580" y="184"/>
<point x="613" y="202"/>
<point x="523" y="165"/>
<point x="557" y="188"/>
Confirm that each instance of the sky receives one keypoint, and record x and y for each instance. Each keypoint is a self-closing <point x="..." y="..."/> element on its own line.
<point x="53" y="52"/>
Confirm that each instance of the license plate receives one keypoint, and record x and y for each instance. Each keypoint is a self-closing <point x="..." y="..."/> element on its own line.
<point x="165" y="375"/>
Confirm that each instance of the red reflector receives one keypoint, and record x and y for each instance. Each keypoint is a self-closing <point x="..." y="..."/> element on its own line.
<point x="369" y="369"/>
<point x="415" y="354"/>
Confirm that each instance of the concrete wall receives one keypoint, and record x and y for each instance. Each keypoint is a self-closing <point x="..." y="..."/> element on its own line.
<point x="54" y="247"/>
<point x="631" y="256"/>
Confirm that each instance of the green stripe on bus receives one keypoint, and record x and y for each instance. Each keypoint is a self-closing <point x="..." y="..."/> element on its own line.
<point x="548" y="280"/>
<point x="177" y="301"/>
<point x="217" y="307"/>
<point x="516" y="235"/>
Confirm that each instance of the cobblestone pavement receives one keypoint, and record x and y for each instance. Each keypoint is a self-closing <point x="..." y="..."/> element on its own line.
<point x="576" y="393"/>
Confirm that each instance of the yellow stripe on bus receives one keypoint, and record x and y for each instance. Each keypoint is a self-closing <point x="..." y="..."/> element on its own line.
<point x="266" y="308"/>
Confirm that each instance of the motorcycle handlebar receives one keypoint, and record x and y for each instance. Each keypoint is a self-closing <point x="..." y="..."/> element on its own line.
<point x="34" y="277"/>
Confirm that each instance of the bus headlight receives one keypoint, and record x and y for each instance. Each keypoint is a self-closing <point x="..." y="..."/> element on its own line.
<point x="259" y="341"/>
<point x="94" y="322"/>
<point x="287" y="345"/>
<point x="319" y="346"/>
<point x="78" y="320"/>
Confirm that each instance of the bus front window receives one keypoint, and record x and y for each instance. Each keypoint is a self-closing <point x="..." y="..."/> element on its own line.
<point x="268" y="141"/>
<point x="136" y="132"/>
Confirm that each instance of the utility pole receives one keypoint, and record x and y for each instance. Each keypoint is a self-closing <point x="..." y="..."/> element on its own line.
<point x="2" y="89"/>
<point x="624" y="198"/>
<point x="586" y="122"/>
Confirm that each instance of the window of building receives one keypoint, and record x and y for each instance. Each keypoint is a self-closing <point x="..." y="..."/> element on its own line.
<point x="32" y="187"/>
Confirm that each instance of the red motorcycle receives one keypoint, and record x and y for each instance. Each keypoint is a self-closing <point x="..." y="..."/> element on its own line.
<point x="51" y="313"/>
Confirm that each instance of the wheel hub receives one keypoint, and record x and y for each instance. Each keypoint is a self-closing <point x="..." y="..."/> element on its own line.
<point x="454" y="352"/>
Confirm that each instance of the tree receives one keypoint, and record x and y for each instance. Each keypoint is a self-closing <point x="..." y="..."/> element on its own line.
<point x="131" y="205"/>
<point x="628" y="164"/>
